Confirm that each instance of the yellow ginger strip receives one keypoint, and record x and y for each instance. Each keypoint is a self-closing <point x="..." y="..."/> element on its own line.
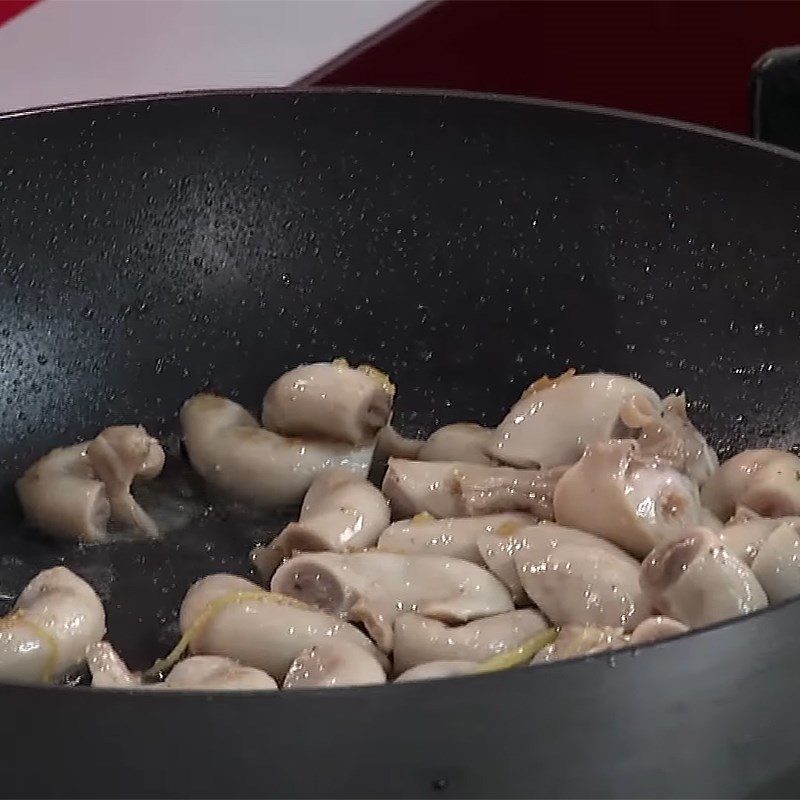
<point x="509" y="528"/>
<point x="212" y="610"/>
<point x="519" y="655"/>
<point x="378" y="375"/>
<point x="546" y="382"/>
<point x="371" y="371"/>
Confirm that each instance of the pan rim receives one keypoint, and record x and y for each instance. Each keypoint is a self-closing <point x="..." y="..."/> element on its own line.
<point x="525" y="672"/>
<point x="494" y="97"/>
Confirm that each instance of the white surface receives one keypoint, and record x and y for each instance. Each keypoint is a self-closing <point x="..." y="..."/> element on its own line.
<point x="68" y="50"/>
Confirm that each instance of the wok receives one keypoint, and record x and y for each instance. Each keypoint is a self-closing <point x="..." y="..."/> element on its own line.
<point x="149" y="248"/>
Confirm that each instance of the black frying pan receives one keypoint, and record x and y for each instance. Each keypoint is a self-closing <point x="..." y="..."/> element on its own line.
<point x="154" y="247"/>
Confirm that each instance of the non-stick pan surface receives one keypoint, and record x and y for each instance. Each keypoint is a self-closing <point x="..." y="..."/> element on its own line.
<point x="152" y="248"/>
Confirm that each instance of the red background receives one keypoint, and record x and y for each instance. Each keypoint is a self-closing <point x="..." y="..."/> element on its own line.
<point x="10" y="8"/>
<point x="688" y="60"/>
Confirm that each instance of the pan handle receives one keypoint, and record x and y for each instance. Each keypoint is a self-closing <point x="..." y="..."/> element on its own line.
<point x="775" y="97"/>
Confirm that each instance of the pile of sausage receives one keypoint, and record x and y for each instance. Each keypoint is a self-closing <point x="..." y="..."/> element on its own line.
<point x="594" y="516"/>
